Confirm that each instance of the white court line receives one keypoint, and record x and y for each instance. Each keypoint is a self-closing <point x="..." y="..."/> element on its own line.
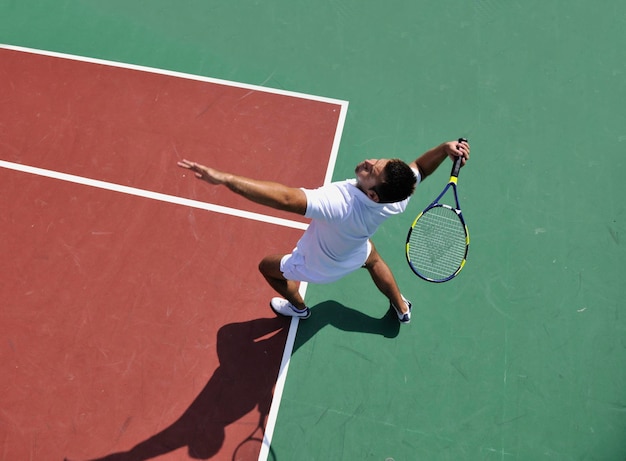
<point x="268" y="433"/>
<point x="171" y="73"/>
<point x="293" y="327"/>
<point x="152" y="195"/>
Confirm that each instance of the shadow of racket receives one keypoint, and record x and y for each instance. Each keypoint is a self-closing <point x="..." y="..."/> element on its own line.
<point x="250" y="448"/>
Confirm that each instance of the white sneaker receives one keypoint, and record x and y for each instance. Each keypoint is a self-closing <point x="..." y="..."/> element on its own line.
<point x="406" y="317"/>
<point x="285" y="308"/>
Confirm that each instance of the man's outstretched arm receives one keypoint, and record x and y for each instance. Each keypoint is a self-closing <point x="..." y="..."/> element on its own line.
<point x="266" y="193"/>
<point x="430" y="160"/>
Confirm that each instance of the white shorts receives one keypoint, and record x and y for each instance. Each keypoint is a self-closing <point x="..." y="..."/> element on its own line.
<point x="293" y="267"/>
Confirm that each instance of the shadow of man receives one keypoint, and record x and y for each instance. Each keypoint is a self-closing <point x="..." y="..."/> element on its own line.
<point x="245" y="378"/>
<point x="249" y="354"/>
<point x="334" y="314"/>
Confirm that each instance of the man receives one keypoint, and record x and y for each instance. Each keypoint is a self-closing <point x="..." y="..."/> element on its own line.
<point x="344" y="216"/>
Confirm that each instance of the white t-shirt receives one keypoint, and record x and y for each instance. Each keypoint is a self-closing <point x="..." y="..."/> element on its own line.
<point x="343" y="220"/>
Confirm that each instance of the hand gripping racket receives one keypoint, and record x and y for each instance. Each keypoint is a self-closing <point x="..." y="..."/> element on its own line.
<point x="438" y="241"/>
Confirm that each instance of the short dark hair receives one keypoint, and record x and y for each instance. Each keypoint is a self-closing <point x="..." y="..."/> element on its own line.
<point x="398" y="182"/>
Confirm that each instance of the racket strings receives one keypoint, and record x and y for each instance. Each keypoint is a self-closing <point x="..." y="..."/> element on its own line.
<point x="437" y="245"/>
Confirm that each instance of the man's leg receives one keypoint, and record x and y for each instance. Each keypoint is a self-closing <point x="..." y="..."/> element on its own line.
<point x="288" y="289"/>
<point x="384" y="279"/>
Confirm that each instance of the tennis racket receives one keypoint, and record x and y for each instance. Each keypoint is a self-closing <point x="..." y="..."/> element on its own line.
<point x="438" y="241"/>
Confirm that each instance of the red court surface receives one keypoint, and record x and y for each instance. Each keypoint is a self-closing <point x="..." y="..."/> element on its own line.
<point x="133" y="328"/>
<point x="127" y="127"/>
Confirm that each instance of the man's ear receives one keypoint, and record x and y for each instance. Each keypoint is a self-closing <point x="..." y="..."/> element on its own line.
<point x="373" y="195"/>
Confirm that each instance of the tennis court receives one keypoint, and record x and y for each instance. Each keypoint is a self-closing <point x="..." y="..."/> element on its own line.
<point x="134" y="322"/>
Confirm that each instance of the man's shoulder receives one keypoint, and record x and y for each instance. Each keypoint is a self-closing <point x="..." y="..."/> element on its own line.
<point x="330" y="201"/>
<point x="347" y="187"/>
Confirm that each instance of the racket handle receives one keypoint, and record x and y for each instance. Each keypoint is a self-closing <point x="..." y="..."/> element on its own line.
<point x="456" y="166"/>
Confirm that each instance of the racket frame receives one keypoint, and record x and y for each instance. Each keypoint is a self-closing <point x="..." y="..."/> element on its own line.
<point x="452" y="184"/>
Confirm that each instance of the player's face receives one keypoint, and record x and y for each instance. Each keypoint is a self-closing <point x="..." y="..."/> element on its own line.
<point x="369" y="173"/>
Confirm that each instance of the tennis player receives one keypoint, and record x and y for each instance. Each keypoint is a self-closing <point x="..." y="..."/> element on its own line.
<point x="344" y="215"/>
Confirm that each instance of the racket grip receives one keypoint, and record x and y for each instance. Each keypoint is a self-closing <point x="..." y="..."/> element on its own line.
<point x="456" y="166"/>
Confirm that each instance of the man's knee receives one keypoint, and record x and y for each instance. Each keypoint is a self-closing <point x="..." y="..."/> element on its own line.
<point x="270" y="266"/>
<point x="264" y="265"/>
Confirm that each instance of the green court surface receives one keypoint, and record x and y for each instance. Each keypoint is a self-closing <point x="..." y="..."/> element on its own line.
<point x="523" y="356"/>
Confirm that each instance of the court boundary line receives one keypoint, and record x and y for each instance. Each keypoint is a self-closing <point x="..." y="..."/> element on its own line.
<point x="293" y="326"/>
<point x="134" y="191"/>
<point x="173" y="73"/>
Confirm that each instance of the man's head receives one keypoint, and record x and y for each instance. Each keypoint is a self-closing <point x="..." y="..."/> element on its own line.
<point x="385" y="180"/>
